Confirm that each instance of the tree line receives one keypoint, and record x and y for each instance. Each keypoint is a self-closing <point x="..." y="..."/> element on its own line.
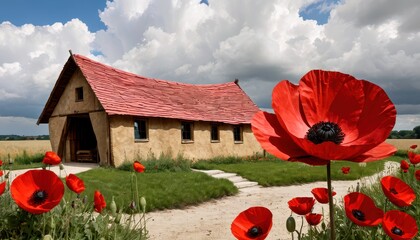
<point x="13" y="137"/>
<point x="406" y="134"/>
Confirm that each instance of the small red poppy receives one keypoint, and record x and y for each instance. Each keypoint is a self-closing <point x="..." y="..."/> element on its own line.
<point x="138" y="167"/>
<point x="417" y="175"/>
<point x="253" y="223"/>
<point x="37" y="191"/>
<point x="328" y="116"/>
<point x="345" y="170"/>
<point x="1" y="173"/>
<point x="2" y="187"/>
<point x="321" y="194"/>
<point x="399" y="225"/>
<point x="99" y="201"/>
<point x="51" y="158"/>
<point x="414" y="158"/>
<point x="397" y="191"/>
<point x="361" y="210"/>
<point x="301" y="205"/>
<point x="414" y="146"/>
<point x="404" y="166"/>
<point x="75" y="184"/>
<point x="313" y="219"/>
<point x="1" y="163"/>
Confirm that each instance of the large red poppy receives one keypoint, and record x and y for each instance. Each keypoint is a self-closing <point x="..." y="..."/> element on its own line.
<point x="397" y="191"/>
<point x="37" y="191"/>
<point x="399" y="225"/>
<point x="138" y="167"/>
<point x="253" y="223"/>
<point x="404" y="166"/>
<point x="328" y="116"/>
<point x="361" y="210"/>
<point x="313" y="219"/>
<point x="301" y="205"/>
<point x="51" y="158"/>
<point x="75" y="184"/>
<point x="2" y="187"/>
<point x="99" y="201"/>
<point x="321" y="194"/>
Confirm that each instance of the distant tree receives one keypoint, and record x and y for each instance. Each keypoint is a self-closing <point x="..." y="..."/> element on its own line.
<point x="394" y="135"/>
<point x="406" y="134"/>
<point x="416" y="131"/>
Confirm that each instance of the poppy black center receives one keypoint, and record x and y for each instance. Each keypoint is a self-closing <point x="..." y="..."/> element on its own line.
<point x="38" y="197"/>
<point x="325" y="131"/>
<point x="359" y="215"/>
<point x="254" y="232"/>
<point x="392" y="190"/>
<point x="397" y="231"/>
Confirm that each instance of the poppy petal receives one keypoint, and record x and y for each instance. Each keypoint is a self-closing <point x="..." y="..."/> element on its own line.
<point x="2" y="187"/>
<point x="404" y="222"/>
<point x="286" y="105"/>
<point x="381" y="151"/>
<point x="397" y="191"/>
<point x="361" y="210"/>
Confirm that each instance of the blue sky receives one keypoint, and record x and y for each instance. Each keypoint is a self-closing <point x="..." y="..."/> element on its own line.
<point x="258" y="42"/>
<point x="47" y="12"/>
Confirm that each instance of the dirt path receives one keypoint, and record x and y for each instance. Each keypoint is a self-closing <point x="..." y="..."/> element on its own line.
<point x="211" y="220"/>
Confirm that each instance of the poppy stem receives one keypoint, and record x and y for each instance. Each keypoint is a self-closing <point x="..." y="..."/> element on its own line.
<point x="330" y="202"/>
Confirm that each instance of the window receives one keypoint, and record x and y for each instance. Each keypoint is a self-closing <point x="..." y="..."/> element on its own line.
<point x="79" y="94"/>
<point x="140" y="129"/>
<point x="214" y="132"/>
<point x="237" y="134"/>
<point x="186" y="132"/>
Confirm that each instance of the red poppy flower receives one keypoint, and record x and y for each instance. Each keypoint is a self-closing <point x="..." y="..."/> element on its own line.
<point x="99" y="201"/>
<point x="75" y="184"/>
<point x="1" y="163"/>
<point x="2" y="187"/>
<point x="37" y="191"/>
<point x="399" y="225"/>
<point x="413" y="157"/>
<point x="138" y="167"/>
<point x="313" y="219"/>
<point x="414" y="146"/>
<point x="301" y="205"/>
<point x="328" y="116"/>
<point x="51" y="158"/>
<point x="345" y="170"/>
<point x="253" y="223"/>
<point x="361" y="210"/>
<point x="404" y="166"/>
<point x="417" y="175"/>
<point x="1" y="173"/>
<point x="321" y="194"/>
<point x="397" y="191"/>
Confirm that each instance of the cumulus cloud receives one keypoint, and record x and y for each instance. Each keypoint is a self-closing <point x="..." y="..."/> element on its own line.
<point x="259" y="42"/>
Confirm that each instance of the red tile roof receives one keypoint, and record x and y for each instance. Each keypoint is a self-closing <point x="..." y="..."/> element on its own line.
<point x="124" y="93"/>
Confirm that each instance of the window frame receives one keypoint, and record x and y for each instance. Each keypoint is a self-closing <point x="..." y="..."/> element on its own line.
<point x="217" y="139"/>
<point x="235" y="130"/>
<point x="79" y="94"/>
<point x="138" y="130"/>
<point x="190" y="132"/>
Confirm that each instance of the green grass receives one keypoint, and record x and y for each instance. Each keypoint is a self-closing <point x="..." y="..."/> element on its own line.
<point x="162" y="190"/>
<point x="274" y="172"/>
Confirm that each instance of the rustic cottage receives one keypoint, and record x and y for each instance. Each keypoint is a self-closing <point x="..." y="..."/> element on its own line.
<point x="97" y="113"/>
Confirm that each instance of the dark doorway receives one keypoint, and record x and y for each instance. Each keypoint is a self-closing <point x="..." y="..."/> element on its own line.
<point x="83" y="145"/>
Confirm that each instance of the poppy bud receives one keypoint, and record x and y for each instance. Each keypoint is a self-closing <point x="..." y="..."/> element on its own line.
<point x="52" y="223"/>
<point x="73" y="204"/>
<point x="61" y="166"/>
<point x="291" y="224"/>
<point x="118" y="217"/>
<point x="143" y="203"/>
<point x="85" y="199"/>
<point x="113" y="206"/>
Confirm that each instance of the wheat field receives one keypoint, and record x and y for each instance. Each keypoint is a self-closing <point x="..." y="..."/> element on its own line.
<point x="31" y="147"/>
